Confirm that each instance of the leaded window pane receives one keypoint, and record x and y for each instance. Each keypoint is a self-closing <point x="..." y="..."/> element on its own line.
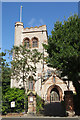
<point x="27" y="43"/>
<point x="35" y="43"/>
<point x="30" y="85"/>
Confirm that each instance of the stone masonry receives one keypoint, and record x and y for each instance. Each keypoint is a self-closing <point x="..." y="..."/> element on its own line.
<point x="44" y="88"/>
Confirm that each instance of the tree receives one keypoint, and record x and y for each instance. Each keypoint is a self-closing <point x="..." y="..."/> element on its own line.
<point x="64" y="49"/>
<point x="24" y="64"/>
<point x="5" y="75"/>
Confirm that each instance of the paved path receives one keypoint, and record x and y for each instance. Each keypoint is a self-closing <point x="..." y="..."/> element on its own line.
<point x="41" y="118"/>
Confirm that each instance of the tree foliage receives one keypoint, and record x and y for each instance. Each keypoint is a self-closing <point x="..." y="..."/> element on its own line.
<point x="8" y="94"/>
<point x="5" y="73"/>
<point x="24" y="63"/>
<point x="64" y="49"/>
<point x="6" y="77"/>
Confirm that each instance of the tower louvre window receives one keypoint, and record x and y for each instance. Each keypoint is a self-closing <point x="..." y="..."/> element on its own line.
<point x="34" y="42"/>
<point x="26" y="42"/>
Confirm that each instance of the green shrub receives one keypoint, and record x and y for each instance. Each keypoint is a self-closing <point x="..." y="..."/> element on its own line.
<point x="17" y="95"/>
<point x="14" y="94"/>
<point x="26" y="103"/>
<point x="39" y="104"/>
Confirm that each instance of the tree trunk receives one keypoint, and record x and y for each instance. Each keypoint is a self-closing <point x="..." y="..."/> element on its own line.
<point x="76" y="84"/>
<point x="25" y="105"/>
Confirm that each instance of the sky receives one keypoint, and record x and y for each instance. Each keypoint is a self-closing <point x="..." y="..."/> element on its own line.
<point x="33" y="14"/>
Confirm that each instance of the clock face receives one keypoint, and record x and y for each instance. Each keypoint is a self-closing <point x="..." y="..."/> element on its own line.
<point x="31" y="99"/>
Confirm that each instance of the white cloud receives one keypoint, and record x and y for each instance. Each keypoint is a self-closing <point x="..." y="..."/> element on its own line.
<point x="31" y="22"/>
<point x="34" y="22"/>
<point x="41" y="21"/>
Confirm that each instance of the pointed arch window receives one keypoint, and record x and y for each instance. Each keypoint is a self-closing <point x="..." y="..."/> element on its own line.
<point x="35" y="42"/>
<point x="26" y="42"/>
<point x="30" y="85"/>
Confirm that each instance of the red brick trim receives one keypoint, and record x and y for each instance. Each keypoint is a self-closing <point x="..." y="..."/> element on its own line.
<point x="49" y="90"/>
<point x="26" y="38"/>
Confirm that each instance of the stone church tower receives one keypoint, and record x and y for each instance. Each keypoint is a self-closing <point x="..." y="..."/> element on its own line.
<point x="51" y="88"/>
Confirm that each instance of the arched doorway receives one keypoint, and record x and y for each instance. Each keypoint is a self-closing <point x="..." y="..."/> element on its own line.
<point x="54" y="106"/>
<point x="54" y="94"/>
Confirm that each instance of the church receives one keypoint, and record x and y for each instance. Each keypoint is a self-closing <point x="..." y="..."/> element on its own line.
<point x="51" y="88"/>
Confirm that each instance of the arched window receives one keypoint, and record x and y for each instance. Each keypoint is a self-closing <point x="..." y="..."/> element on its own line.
<point x="26" y="42"/>
<point x="30" y="85"/>
<point x="35" y="42"/>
